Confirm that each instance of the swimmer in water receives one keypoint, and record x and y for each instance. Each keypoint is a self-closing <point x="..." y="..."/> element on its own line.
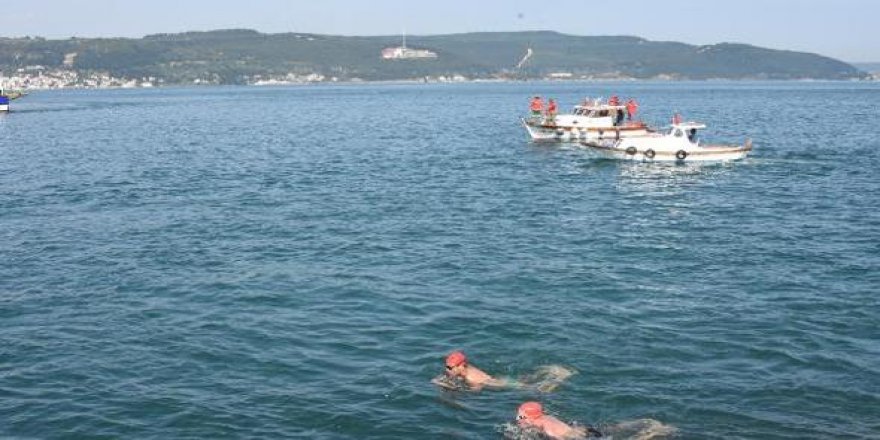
<point x="530" y="415"/>
<point x="461" y="374"/>
<point x="458" y="368"/>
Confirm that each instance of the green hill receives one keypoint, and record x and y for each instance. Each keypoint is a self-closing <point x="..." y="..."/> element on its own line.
<point x="868" y="67"/>
<point x="235" y="56"/>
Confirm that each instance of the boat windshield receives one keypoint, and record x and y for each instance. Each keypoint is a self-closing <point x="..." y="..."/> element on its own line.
<point x="592" y="113"/>
<point x="678" y="132"/>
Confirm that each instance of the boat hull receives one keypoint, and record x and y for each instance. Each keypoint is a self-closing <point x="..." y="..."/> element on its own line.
<point x="4" y="104"/>
<point x="695" y="154"/>
<point x="567" y="134"/>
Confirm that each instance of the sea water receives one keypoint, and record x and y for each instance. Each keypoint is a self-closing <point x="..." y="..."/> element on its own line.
<point x="296" y="262"/>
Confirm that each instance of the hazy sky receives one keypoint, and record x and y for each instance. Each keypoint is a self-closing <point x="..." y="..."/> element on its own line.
<point x="843" y="29"/>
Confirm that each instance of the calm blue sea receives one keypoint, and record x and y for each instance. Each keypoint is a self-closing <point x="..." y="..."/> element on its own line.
<point x="212" y="263"/>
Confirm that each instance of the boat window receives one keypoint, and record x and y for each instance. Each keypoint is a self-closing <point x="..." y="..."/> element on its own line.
<point x="678" y="133"/>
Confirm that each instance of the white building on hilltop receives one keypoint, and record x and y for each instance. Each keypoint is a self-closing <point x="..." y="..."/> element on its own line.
<point x="404" y="53"/>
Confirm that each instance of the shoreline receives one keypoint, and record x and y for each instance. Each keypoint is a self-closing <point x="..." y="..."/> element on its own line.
<point x="29" y="90"/>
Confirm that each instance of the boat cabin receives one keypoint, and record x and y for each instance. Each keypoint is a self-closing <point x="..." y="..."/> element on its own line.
<point x="598" y="111"/>
<point x="598" y="115"/>
<point x="688" y="129"/>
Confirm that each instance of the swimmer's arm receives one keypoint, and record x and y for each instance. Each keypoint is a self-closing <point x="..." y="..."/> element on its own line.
<point x="452" y="384"/>
<point x="440" y="382"/>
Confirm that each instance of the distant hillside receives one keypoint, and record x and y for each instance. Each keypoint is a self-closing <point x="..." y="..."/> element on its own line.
<point x="237" y="56"/>
<point x="868" y="67"/>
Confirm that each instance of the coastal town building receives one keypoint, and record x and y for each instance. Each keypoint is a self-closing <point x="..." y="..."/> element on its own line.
<point x="404" y="53"/>
<point x="400" y="53"/>
<point x="42" y="78"/>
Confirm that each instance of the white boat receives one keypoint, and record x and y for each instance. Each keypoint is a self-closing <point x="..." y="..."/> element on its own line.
<point x="679" y="144"/>
<point x="585" y="122"/>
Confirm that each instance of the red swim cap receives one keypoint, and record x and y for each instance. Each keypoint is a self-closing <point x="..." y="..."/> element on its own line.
<point x="530" y="410"/>
<point x="455" y="359"/>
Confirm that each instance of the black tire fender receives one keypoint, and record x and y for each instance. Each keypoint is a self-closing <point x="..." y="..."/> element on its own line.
<point x="681" y="155"/>
<point x="649" y="153"/>
<point x="631" y="150"/>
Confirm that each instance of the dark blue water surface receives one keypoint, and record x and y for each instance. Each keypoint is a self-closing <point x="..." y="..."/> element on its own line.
<point x="296" y="262"/>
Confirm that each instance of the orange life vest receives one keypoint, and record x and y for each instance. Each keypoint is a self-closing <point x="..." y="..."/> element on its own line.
<point x="632" y="107"/>
<point x="537" y="105"/>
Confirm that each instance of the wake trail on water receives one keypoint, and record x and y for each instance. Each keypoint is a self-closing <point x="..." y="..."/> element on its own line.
<point x="547" y="378"/>
<point x="640" y="429"/>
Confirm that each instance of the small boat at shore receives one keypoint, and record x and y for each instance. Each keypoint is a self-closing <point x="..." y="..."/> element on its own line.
<point x="679" y="144"/>
<point x="6" y="97"/>
<point x="585" y="122"/>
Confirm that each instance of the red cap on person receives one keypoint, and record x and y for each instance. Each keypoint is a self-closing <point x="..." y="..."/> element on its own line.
<point x="455" y="359"/>
<point x="530" y="410"/>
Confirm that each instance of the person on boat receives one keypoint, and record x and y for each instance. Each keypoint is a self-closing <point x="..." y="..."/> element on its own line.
<point x="692" y="135"/>
<point x="530" y="415"/>
<point x="551" y="109"/>
<point x="613" y="100"/>
<point x="537" y="107"/>
<point x="631" y="108"/>
<point x="676" y="118"/>
<point x="618" y="117"/>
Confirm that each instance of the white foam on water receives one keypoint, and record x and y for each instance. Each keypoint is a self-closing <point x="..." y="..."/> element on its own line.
<point x="547" y="378"/>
